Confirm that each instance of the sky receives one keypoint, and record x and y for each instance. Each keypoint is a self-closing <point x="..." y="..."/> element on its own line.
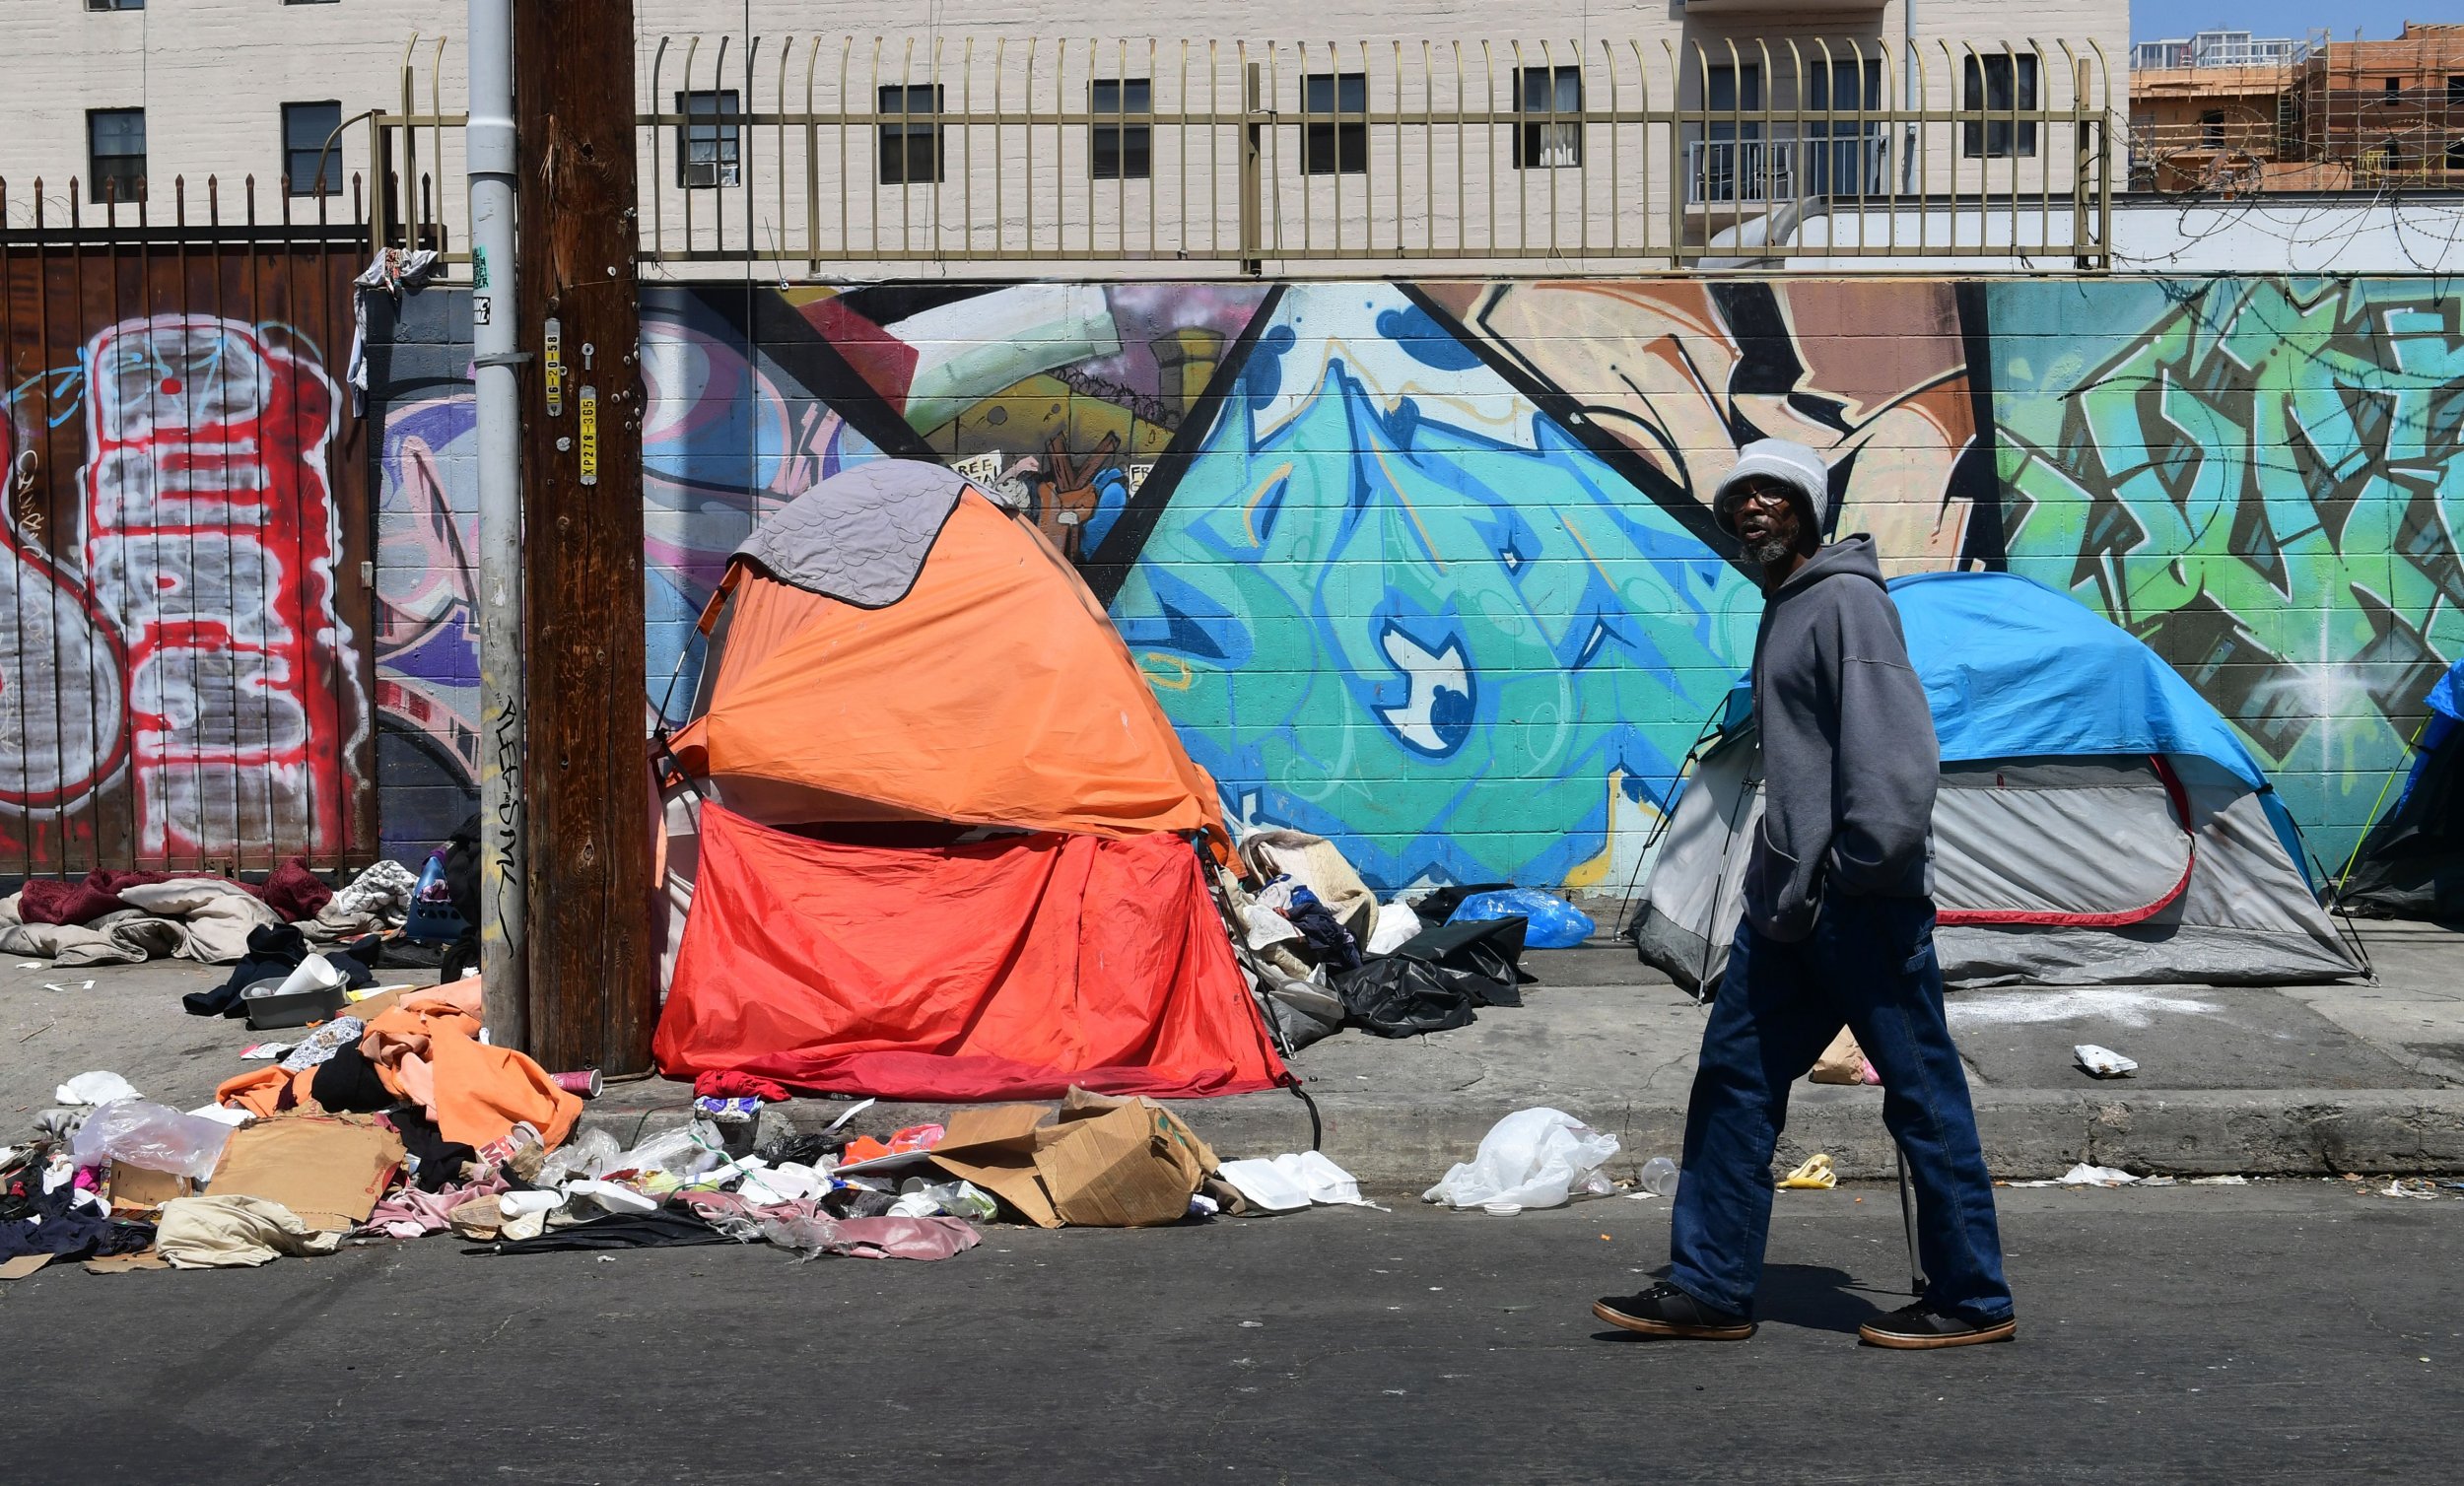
<point x="2377" y="19"/>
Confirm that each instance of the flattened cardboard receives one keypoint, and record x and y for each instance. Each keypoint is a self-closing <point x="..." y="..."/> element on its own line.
<point x="22" y="1266"/>
<point x="329" y="1169"/>
<point x="996" y="1149"/>
<point x="121" y="1263"/>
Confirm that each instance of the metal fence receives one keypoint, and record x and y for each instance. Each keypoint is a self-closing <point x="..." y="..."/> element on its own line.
<point x="185" y="661"/>
<point x="849" y="155"/>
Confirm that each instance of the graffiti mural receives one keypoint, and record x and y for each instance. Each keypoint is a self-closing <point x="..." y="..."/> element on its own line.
<point x="1394" y="604"/>
<point x="427" y="639"/>
<point x="2261" y="478"/>
<point x="178" y="683"/>
<point x="1429" y="568"/>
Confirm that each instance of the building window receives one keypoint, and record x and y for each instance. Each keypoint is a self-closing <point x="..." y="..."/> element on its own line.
<point x="308" y="166"/>
<point x="1990" y="87"/>
<point x="115" y="4"/>
<point x="1339" y="145"/>
<point x="708" y="153"/>
<point x="2212" y="128"/>
<point x="116" y="153"/>
<point x="2395" y="88"/>
<point x="911" y="154"/>
<point x="1729" y="161"/>
<point x="1851" y="163"/>
<point x="2455" y="93"/>
<point x="1122" y="152"/>
<point x="2455" y="155"/>
<point x="1558" y="143"/>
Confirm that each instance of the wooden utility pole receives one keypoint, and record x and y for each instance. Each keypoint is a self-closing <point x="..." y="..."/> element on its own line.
<point x="591" y="997"/>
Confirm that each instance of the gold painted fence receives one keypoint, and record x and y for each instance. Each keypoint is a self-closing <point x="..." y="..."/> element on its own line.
<point x="842" y="155"/>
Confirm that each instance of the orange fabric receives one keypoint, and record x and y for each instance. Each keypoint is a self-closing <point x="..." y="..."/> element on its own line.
<point x="480" y="1092"/>
<point x="265" y="1091"/>
<point x="1010" y="968"/>
<point x="996" y="693"/>
<point x="426" y="1048"/>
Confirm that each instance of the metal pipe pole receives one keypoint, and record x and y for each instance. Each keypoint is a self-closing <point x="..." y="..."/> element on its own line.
<point x="489" y="140"/>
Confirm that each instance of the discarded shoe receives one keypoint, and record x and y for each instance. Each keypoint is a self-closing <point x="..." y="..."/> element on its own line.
<point x="1921" y="1328"/>
<point x="1666" y="1310"/>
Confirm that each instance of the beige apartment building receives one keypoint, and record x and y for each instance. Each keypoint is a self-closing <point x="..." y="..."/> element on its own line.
<point x="833" y="132"/>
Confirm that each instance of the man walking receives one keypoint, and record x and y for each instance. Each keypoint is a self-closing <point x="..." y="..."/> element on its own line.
<point x="1838" y="928"/>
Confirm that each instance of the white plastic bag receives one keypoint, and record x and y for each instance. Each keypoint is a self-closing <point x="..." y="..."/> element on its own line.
<point x="1532" y="1158"/>
<point x="1397" y="925"/>
<point x="101" y="1087"/>
<point x="154" y="1136"/>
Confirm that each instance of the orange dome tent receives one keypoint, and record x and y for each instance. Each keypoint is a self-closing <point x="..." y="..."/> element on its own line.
<point x="893" y="657"/>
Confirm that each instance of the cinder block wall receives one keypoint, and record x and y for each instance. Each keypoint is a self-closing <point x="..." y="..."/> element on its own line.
<point x="1427" y="568"/>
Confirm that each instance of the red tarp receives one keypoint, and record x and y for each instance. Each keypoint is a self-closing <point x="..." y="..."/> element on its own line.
<point x="997" y="970"/>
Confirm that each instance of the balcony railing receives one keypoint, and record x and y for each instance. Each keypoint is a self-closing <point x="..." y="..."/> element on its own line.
<point x="835" y="156"/>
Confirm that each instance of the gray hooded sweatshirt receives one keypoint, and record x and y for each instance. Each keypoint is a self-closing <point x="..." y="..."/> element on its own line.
<point x="1849" y="758"/>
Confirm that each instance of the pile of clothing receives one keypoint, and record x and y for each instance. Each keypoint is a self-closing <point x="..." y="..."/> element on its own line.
<point x="124" y="917"/>
<point x="401" y="1124"/>
<point x="1322" y="953"/>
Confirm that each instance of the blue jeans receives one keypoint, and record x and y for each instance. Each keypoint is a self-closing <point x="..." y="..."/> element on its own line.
<point x="1869" y="963"/>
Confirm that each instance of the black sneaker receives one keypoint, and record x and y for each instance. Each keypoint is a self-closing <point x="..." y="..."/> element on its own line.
<point x="1666" y="1310"/>
<point x="1921" y="1328"/>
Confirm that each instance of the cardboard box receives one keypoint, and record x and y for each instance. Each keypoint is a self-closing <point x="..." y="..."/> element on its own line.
<point x="1106" y="1163"/>
<point x="331" y="1170"/>
<point x="134" y="1188"/>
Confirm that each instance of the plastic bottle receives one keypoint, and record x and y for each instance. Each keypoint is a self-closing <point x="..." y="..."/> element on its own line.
<point x="1660" y="1177"/>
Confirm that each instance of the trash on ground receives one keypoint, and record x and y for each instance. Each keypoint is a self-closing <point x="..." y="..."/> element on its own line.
<point x="98" y="1088"/>
<point x="2085" y="1175"/>
<point x="1843" y="1062"/>
<point x="2103" y="1063"/>
<point x="2219" y="1182"/>
<point x="2420" y="1188"/>
<point x="1285" y="1183"/>
<point x="1658" y="1178"/>
<point x="1812" y="1173"/>
<point x="1532" y="1158"/>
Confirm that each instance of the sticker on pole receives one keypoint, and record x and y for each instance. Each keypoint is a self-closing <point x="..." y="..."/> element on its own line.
<point x="587" y="409"/>
<point x="553" y="361"/>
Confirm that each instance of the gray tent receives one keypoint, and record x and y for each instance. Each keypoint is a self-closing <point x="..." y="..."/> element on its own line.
<point x="2098" y="822"/>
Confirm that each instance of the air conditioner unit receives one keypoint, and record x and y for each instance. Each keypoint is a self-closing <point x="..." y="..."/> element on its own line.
<point x="712" y="173"/>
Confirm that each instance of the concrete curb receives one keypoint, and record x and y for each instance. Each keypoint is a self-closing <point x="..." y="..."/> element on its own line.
<point x="1401" y="1145"/>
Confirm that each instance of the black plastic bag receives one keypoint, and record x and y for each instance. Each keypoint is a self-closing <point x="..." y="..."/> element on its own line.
<point x="1482" y="957"/>
<point x="1396" y="996"/>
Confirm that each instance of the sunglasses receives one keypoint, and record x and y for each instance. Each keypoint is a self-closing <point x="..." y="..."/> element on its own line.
<point x="1770" y="497"/>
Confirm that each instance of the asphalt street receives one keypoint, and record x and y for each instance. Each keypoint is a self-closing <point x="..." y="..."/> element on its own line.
<point x="2287" y="1330"/>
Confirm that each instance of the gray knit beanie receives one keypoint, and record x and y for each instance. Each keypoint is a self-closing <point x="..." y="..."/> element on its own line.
<point x="1793" y="465"/>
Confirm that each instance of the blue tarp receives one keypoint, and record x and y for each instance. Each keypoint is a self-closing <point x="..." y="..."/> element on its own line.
<point x="2015" y="670"/>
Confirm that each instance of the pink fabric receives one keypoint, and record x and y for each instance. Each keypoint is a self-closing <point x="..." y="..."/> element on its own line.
<point x="807" y="1229"/>
<point x="411" y="1213"/>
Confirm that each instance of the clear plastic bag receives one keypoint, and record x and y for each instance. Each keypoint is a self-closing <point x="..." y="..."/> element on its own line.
<point x="1532" y="1158"/>
<point x="156" y="1137"/>
<point x="671" y="1157"/>
<point x="918" y="1198"/>
<point x="585" y="1154"/>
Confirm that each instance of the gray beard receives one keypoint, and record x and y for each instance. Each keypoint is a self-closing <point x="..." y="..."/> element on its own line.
<point x="1768" y="553"/>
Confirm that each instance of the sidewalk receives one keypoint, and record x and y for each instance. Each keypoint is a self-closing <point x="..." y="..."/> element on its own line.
<point x="2305" y="1080"/>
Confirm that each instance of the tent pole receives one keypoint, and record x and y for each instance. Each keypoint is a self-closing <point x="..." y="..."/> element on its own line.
<point x="2410" y="744"/>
